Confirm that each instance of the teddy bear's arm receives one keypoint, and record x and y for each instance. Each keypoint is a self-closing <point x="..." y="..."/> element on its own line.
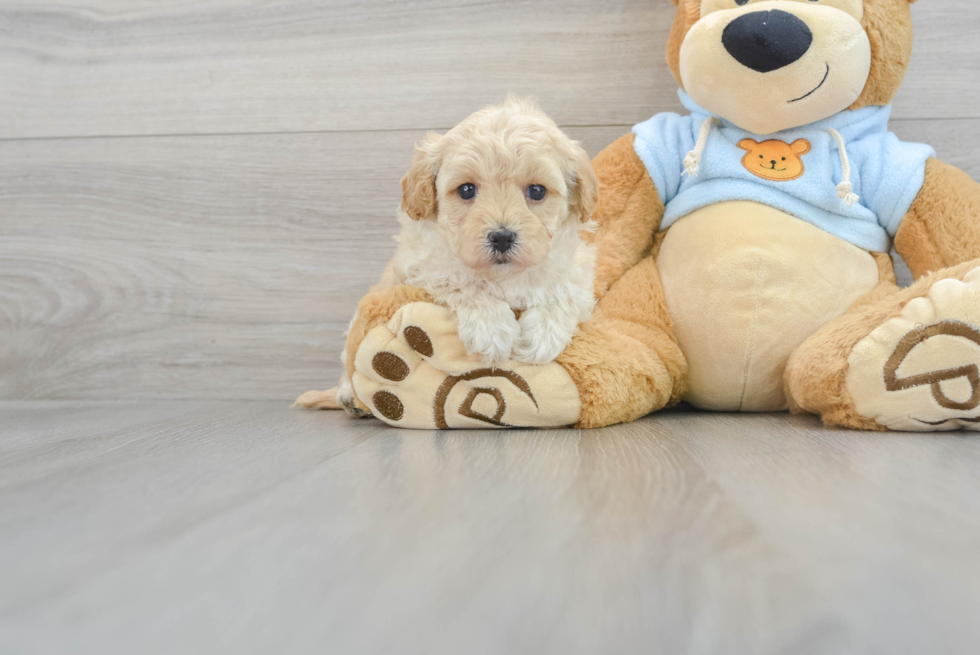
<point x="942" y="228"/>
<point x="629" y="212"/>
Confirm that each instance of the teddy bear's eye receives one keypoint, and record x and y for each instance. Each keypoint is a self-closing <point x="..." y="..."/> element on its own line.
<point x="784" y="159"/>
<point x="761" y="157"/>
<point x="741" y="2"/>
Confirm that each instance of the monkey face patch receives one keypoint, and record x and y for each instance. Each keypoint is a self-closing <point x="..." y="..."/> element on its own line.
<point x="774" y="160"/>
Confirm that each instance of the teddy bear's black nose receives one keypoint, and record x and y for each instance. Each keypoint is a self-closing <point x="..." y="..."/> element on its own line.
<point x="767" y="40"/>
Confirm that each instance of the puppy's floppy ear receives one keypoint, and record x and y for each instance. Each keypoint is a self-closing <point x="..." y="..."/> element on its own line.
<point x="585" y="193"/>
<point x="419" y="185"/>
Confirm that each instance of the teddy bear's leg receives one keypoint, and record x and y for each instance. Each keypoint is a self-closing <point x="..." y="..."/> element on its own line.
<point x="904" y="359"/>
<point x="413" y="371"/>
<point x="376" y="308"/>
<point x="626" y="362"/>
<point x="410" y="369"/>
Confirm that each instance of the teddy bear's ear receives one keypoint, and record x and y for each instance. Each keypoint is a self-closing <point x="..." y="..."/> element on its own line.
<point x="748" y="144"/>
<point x="800" y="146"/>
<point x="419" y="185"/>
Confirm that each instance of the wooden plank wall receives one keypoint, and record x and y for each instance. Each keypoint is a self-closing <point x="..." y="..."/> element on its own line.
<point x="194" y="195"/>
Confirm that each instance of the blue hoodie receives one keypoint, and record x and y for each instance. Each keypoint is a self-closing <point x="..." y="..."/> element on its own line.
<point x="885" y="174"/>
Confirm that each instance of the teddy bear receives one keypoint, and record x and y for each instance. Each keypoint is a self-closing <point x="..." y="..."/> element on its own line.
<point x="742" y="251"/>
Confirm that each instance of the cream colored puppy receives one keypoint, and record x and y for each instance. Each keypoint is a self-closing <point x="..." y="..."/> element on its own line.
<point x="491" y="218"/>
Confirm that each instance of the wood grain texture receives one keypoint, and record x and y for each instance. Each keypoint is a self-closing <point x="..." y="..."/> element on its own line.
<point x="226" y="264"/>
<point x="111" y="67"/>
<point x="213" y="267"/>
<point x="206" y="267"/>
<point x="252" y="528"/>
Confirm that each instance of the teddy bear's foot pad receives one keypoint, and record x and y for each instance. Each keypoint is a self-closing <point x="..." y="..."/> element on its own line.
<point x="920" y="371"/>
<point x="414" y="372"/>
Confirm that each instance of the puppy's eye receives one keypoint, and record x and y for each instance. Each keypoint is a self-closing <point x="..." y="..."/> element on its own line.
<point x="536" y="192"/>
<point x="467" y="191"/>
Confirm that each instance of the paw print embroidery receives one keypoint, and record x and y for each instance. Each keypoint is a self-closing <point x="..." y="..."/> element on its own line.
<point x="934" y="379"/>
<point x="415" y="372"/>
<point x="920" y="370"/>
<point x="393" y="368"/>
<point x="775" y="160"/>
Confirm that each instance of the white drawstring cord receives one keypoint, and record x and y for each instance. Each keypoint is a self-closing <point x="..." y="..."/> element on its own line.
<point x="693" y="160"/>
<point x="845" y="190"/>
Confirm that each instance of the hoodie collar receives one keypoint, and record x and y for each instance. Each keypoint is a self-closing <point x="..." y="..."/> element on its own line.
<point x="852" y="122"/>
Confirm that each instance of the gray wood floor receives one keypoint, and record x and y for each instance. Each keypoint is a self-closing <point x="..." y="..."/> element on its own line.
<point x="194" y="195"/>
<point x="232" y="527"/>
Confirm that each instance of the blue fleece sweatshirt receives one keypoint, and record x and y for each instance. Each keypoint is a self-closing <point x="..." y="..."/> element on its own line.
<point x="886" y="173"/>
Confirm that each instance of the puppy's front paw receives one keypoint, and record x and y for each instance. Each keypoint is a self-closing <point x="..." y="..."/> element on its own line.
<point x="542" y="338"/>
<point x="489" y="332"/>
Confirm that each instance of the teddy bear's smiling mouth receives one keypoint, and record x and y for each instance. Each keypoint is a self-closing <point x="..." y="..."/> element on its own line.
<point x="825" y="76"/>
<point x="771" y="168"/>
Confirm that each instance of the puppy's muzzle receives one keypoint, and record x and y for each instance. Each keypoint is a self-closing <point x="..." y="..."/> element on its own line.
<point x="767" y="40"/>
<point x="502" y="240"/>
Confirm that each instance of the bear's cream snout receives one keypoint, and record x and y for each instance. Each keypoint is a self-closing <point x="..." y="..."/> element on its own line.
<point x="773" y="65"/>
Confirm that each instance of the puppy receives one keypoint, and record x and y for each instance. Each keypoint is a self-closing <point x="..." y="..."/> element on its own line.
<point x="491" y="217"/>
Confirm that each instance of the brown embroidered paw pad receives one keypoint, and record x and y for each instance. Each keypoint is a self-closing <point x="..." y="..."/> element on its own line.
<point x="415" y="372"/>
<point x="921" y="369"/>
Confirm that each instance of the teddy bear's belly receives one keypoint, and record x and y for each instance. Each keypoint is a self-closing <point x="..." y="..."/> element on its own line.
<point x="745" y="285"/>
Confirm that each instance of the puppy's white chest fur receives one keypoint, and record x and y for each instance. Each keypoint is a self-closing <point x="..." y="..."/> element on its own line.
<point x="553" y="297"/>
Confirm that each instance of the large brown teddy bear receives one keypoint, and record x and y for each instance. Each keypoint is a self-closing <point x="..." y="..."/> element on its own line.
<point x="772" y="289"/>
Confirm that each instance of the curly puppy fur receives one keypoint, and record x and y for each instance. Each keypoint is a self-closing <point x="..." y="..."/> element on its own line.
<point x="445" y="246"/>
<point x="526" y="302"/>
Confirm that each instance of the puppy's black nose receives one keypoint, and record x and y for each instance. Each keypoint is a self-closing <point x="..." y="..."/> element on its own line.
<point x="767" y="40"/>
<point x="502" y="240"/>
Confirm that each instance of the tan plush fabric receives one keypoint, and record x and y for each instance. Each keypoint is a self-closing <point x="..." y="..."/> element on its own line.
<point x="414" y="372"/>
<point x="628" y="213"/>
<point x="746" y="284"/>
<point x="886" y="267"/>
<point x="839" y="54"/>
<point x="375" y="309"/>
<point x="943" y="226"/>
<point x="626" y="362"/>
<point x="888" y="24"/>
<point x="817" y="374"/>
<point x="688" y="13"/>
<point x="930" y="379"/>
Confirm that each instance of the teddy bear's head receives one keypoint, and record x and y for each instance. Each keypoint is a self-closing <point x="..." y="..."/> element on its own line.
<point x="771" y="65"/>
